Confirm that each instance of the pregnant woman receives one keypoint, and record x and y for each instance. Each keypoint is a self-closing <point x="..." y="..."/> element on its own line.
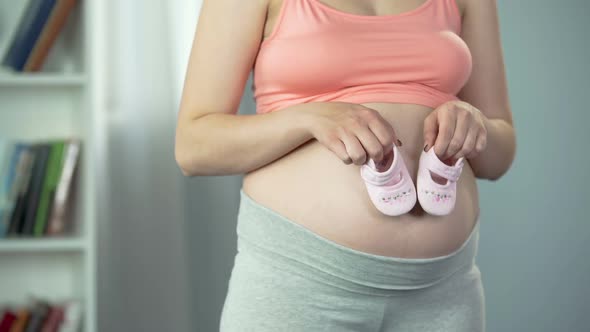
<point x="342" y="85"/>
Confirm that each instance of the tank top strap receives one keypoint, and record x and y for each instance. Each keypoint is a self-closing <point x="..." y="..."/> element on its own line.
<point x="292" y="16"/>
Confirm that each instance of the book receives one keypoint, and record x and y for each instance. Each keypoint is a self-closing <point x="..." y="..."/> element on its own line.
<point x="54" y="166"/>
<point x="57" y="223"/>
<point x="29" y="28"/>
<point x="72" y="321"/>
<point x="22" y="318"/>
<point x="38" y="315"/>
<point x="54" y="319"/>
<point x="8" y="318"/>
<point x="24" y="174"/>
<point x="6" y="151"/>
<point x="51" y="30"/>
<point x="35" y="185"/>
<point x="8" y="187"/>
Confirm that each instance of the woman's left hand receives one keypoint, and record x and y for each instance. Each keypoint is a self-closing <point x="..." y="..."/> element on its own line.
<point x="455" y="129"/>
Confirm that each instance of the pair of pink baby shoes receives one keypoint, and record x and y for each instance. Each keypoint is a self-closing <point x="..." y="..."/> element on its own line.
<point x="393" y="193"/>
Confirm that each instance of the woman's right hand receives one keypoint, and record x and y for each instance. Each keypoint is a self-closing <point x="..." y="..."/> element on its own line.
<point x="352" y="131"/>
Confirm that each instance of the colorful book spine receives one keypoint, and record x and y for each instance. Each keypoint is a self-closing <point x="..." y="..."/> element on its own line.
<point x="54" y="25"/>
<point x="35" y="187"/>
<point x="54" y="319"/>
<point x="72" y="317"/>
<point x="57" y="223"/>
<point x="42" y="315"/>
<point x="30" y="26"/>
<point x="22" y="317"/>
<point x="24" y="175"/>
<point x="54" y="167"/>
<point x="10" y="186"/>
<point x="8" y="318"/>
<point x="38" y="315"/>
<point x="6" y="152"/>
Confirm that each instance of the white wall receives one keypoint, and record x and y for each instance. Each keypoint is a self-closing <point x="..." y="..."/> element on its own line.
<point x="182" y="17"/>
<point x="142" y="270"/>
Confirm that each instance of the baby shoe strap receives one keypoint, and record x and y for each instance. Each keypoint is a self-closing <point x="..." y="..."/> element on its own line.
<point x="435" y="165"/>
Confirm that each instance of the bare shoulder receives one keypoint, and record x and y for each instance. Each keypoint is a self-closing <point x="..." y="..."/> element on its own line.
<point x="461" y="6"/>
<point x="465" y="5"/>
<point x="473" y="5"/>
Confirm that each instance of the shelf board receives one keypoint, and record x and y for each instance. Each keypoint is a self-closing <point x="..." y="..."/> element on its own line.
<point x="8" y="245"/>
<point x="41" y="80"/>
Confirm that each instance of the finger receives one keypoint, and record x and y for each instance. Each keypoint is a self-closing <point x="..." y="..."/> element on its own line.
<point x="447" y="121"/>
<point x="338" y="147"/>
<point x="372" y="146"/>
<point x="461" y="129"/>
<point x="385" y="133"/>
<point x="481" y="143"/>
<point x="382" y="129"/>
<point x="468" y="145"/>
<point x="430" y="130"/>
<point x="354" y="149"/>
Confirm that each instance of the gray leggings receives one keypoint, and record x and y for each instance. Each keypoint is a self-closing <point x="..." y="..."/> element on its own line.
<point x="288" y="278"/>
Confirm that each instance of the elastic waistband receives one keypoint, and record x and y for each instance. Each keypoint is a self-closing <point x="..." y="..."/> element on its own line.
<point x="273" y="235"/>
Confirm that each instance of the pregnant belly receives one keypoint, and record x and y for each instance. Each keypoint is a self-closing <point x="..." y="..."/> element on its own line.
<point x="314" y="188"/>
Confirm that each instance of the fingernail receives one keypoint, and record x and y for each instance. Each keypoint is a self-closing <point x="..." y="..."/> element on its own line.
<point x="399" y="143"/>
<point x="425" y="147"/>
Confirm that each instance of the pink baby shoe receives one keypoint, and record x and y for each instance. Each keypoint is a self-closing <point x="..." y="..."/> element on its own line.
<point x="391" y="191"/>
<point x="437" y="199"/>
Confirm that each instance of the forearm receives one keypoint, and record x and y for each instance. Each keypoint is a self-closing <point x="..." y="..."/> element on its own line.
<point x="495" y="160"/>
<point x="225" y="144"/>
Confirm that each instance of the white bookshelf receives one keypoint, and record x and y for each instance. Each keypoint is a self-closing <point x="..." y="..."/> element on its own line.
<point x="42" y="80"/>
<point x="59" y="102"/>
<point x="64" y="244"/>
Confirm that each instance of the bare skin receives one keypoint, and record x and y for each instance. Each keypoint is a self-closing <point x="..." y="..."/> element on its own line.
<point x="312" y="186"/>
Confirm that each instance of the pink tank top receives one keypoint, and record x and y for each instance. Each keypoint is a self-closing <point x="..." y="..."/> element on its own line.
<point x="319" y="53"/>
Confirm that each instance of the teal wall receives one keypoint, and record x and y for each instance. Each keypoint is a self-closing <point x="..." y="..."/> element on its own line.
<point x="535" y="234"/>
